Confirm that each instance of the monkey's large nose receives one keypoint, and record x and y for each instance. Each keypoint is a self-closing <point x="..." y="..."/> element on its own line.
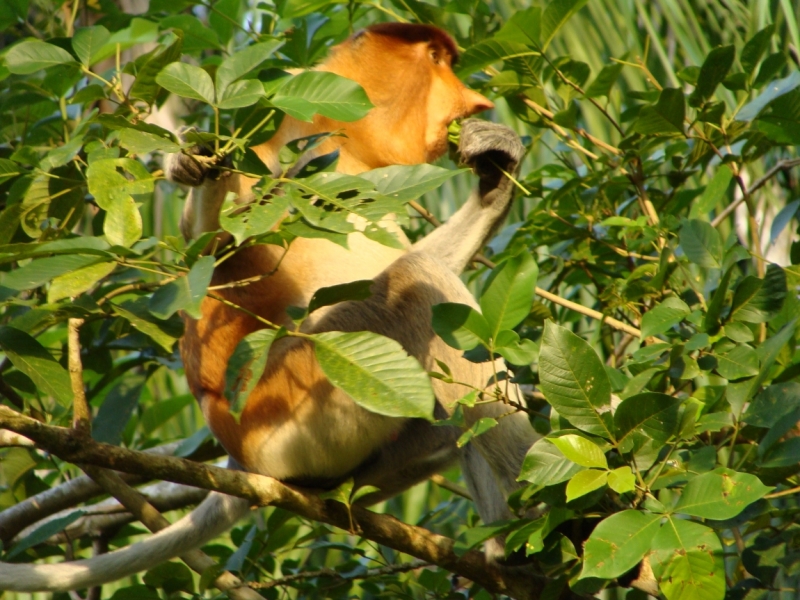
<point x="475" y="102"/>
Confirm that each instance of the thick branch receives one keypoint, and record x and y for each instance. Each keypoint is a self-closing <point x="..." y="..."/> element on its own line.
<point x="383" y="529"/>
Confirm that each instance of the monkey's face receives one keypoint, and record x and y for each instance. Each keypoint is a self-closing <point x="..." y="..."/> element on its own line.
<point x="448" y="100"/>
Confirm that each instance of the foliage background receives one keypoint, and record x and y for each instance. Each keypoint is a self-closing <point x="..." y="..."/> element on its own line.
<point x="645" y="122"/>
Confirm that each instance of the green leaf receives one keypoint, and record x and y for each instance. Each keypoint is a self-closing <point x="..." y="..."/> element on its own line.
<point x="117" y="408"/>
<point x="187" y="81"/>
<point x="545" y="464"/>
<point x="87" y="41"/>
<point x="711" y="320"/>
<point x="241" y="62"/>
<point x="254" y="219"/>
<point x="774" y="90"/>
<point x="605" y="80"/>
<point x="715" y="68"/>
<point x="480" y="426"/>
<point x="701" y="243"/>
<point x="664" y="117"/>
<point x="33" y="55"/>
<point x="44" y="532"/>
<point x="618" y="543"/>
<point x="42" y="270"/>
<point x="137" y="313"/>
<point x="516" y="351"/>
<point x="756" y="300"/>
<point x="376" y="372"/>
<point x="245" y="367"/>
<point x="196" y="36"/>
<point x="145" y="87"/>
<point x="575" y="382"/>
<point x="773" y="404"/>
<point x="740" y="362"/>
<point x="78" y="281"/>
<point x="713" y="194"/>
<point x="622" y="480"/>
<point x="555" y="15"/>
<point x="687" y="560"/>
<point x="31" y="358"/>
<point x="657" y="415"/>
<point x="184" y="293"/>
<point x="408" y="182"/>
<point x="460" y="326"/>
<point x="581" y="451"/>
<point x="664" y="316"/>
<point x="584" y="482"/>
<point x="8" y="170"/>
<point x="242" y="93"/>
<point x="143" y="142"/>
<point x="488" y="52"/>
<point x="508" y="292"/>
<point x="780" y="121"/>
<point x="755" y="48"/>
<point x="330" y="95"/>
<point x="720" y="494"/>
<point x="354" y="290"/>
<point x="117" y="195"/>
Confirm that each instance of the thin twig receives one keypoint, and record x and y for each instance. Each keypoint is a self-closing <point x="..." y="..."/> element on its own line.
<point x="780" y="166"/>
<point x="445" y="483"/>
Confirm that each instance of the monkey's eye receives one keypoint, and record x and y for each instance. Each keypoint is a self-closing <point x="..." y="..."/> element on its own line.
<point x="435" y="56"/>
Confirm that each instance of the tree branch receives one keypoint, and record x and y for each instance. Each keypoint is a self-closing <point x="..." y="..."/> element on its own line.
<point x="383" y="529"/>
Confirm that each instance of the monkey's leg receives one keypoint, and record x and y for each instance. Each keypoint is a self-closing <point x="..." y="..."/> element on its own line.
<point x="490" y="149"/>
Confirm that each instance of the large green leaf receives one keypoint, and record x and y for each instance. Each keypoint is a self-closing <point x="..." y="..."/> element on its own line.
<point x="376" y="372"/>
<point x="241" y="62"/>
<point x="31" y="358"/>
<point x="508" y="293"/>
<point x="687" y="561"/>
<point x="87" y="41"/>
<point x="164" y="333"/>
<point x="755" y="48"/>
<point x="245" y="367"/>
<point x="328" y="94"/>
<point x="145" y="86"/>
<point x="408" y="182"/>
<point x="187" y="81"/>
<point x="545" y="464"/>
<point x="758" y="300"/>
<point x="618" y="543"/>
<point x="720" y="494"/>
<point x="42" y="270"/>
<point x="657" y="415"/>
<point x="713" y="194"/>
<point x="33" y="55"/>
<point x="555" y="15"/>
<point x="78" y="281"/>
<point x="581" y="451"/>
<point x="715" y="68"/>
<point x="117" y="195"/>
<point x="575" y="382"/>
<point x="343" y="292"/>
<point x="584" y="482"/>
<point x="184" y="293"/>
<point x="701" y="243"/>
<point x="488" y="52"/>
<point x="664" y="316"/>
<point x="740" y="362"/>
<point x="664" y="117"/>
<point x="241" y="93"/>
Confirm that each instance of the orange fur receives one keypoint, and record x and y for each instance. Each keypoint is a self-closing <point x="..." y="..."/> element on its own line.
<point x="406" y="72"/>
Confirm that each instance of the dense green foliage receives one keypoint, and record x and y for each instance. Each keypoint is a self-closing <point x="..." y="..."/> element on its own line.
<point x="669" y="429"/>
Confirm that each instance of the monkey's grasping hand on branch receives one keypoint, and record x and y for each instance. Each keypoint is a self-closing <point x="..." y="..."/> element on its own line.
<point x="194" y="166"/>
<point x="491" y="148"/>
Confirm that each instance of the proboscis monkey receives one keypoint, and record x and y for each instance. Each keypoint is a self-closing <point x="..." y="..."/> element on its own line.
<point x="296" y="426"/>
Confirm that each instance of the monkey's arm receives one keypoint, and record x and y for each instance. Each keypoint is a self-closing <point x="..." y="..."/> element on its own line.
<point x="489" y="148"/>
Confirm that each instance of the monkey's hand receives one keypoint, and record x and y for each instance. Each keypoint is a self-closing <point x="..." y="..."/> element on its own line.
<point x="194" y="166"/>
<point x="490" y="149"/>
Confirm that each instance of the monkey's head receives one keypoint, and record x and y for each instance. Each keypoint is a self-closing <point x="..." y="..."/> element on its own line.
<point x="406" y="70"/>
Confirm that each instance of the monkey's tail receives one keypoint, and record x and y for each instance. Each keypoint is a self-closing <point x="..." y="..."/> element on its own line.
<point x="215" y="515"/>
